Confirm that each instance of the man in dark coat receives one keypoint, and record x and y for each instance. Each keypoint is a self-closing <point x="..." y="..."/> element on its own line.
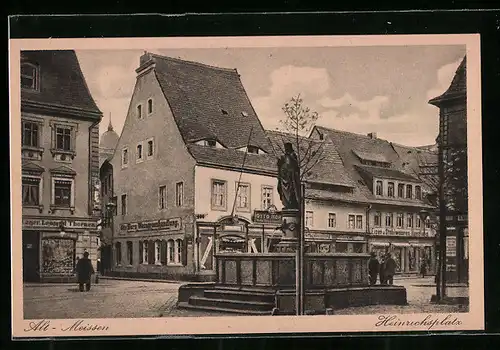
<point x="373" y="268"/>
<point x="84" y="271"/>
<point x="390" y="268"/>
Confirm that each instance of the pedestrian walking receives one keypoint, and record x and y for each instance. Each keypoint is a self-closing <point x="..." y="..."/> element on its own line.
<point x="423" y="268"/>
<point x="373" y="268"/>
<point x="84" y="271"/>
<point x="390" y="269"/>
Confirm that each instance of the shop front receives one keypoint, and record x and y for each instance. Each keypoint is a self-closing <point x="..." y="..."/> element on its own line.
<point x="52" y="247"/>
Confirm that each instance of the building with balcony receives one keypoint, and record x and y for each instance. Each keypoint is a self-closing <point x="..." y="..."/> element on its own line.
<point x="397" y="208"/>
<point x="60" y="165"/>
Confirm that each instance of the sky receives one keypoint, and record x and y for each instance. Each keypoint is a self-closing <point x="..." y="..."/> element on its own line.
<point x="358" y="89"/>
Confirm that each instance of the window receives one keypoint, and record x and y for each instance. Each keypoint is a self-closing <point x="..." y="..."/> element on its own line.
<point x="150" y="149"/>
<point x="399" y="220"/>
<point x="31" y="191"/>
<point x="253" y="149"/>
<point x="219" y="194"/>
<point x="409" y="220"/>
<point x="62" y="193"/>
<point x="150" y="106"/>
<point x="341" y="247"/>
<point x="162" y="197"/>
<point x="379" y="188"/>
<point x="309" y="219"/>
<point x="63" y="139"/>
<point x="174" y="251"/>
<point x="30" y="134"/>
<point x="359" y="221"/>
<point x="130" y="253"/>
<point x="267" y="197"/>
<point x="211" y="143"/>
<point x="418" y="192"/>
<point x="243" y="197"/>
<point x="179" y="194"/>
<point x="390" y="189"/>
<point x="124" y="204"/>
<point x="401" y="190"/>
<point x="138" y="153"/>
<point x="158" y="252"/>
<point x="124" y="157"/>
<point x="139" y="111"/>
<point x="418" y="222"/>
<point x="351" y="222"/>
<point x="377" y="219"/>
<point x="118" y="253"/>
<point x="389" y="220"/>
<point x="427" y="223"/>
<point x="332" y="220"/>
<point x="29" y="76"/>
<point x="144" y="252"/>
<point x="409" y="190"/>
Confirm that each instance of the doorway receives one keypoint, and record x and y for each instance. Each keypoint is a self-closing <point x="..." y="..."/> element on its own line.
<point x="31" y="256"/>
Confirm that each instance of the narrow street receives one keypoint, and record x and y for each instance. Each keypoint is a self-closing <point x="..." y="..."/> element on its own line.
<point x="131" y="299"/>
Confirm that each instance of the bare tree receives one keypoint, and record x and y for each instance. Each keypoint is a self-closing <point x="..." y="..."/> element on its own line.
<point x="296" y="126"/>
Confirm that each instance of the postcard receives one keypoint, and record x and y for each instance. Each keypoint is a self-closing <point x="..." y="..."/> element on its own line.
<point x="246" y="185"/>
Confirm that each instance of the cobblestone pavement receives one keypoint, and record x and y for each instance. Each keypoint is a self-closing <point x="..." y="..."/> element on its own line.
<point x="130" y="299"/>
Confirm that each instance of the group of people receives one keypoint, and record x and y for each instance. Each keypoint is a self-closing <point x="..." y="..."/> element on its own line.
<point x="386" y="268"/>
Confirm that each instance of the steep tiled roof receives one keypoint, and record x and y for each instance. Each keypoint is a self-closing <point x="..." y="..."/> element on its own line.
<point x="375" y="171"/>
<point x="234" y="159"/>
<point x="208" y="102"/>
<point x="61" y="82"/>
<point x="325" y="167"/>
<point x="458" y="86"/>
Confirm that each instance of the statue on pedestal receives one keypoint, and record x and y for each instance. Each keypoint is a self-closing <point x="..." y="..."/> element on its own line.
<point x="289" y="178"/>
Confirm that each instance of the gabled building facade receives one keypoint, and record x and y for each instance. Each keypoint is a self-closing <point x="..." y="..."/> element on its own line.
<point x="192" y="155"/>
<point x="397" y="214"/>
<point x="60" y="165"/>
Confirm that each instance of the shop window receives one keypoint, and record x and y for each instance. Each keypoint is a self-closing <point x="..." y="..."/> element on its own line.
<point x="358" y="247"/>
<point x="58" y="255"/>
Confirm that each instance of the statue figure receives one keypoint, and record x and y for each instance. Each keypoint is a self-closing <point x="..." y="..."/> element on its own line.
<point x="289" y="178"/>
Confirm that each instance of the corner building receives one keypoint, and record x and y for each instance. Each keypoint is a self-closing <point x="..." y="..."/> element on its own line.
<point x="60" y="166"/>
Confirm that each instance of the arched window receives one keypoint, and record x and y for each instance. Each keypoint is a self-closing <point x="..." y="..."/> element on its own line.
<point x="158" y="252"/>
<point x="30" y="76"/>
<point x="170" y="251"/>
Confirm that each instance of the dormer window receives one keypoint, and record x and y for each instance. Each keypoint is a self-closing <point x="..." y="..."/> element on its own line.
<point x="321" y="136"/>
<point x="253" y="149"/>
<point x="211" y="143"/>
<point x="223" y="111"/>
<point x="245" y="114"/>
<point x="29" y="76"/>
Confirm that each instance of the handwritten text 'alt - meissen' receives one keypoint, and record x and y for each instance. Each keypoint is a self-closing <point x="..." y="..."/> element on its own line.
<point x="429" y="321"/>
<point x="77" y="326"/>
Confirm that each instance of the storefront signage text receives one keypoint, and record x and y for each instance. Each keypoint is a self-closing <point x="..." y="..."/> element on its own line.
<point x="387" y="231"/>
<point x="451" y="246"/>
<point x="67" y="224"/>
<point x="266" y="217"/>
<point x="152" y="225"/>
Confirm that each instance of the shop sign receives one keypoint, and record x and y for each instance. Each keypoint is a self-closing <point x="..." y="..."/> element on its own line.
<point x="153" y="225"/>
<point x="267" y="217"/>
<point x="388" y="231"/>
<point x="54" y="223"/>
<point x="451" y="246"/>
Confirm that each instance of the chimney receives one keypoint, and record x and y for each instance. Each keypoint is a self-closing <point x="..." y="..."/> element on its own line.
<point x="372" y="135"/>
<point x="144" y="58"/>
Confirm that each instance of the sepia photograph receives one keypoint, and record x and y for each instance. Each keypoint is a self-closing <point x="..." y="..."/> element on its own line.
<point x="212" y="179"/>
